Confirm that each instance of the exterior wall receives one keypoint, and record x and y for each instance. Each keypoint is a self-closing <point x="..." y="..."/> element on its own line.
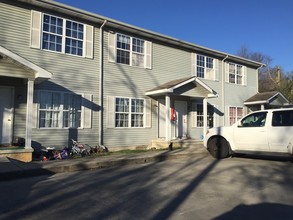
<point x="128" y="81"/>
<point x="70" y="73"/>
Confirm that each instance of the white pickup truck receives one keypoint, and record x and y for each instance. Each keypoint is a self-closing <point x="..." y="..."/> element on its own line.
<point x="266" y="131"/>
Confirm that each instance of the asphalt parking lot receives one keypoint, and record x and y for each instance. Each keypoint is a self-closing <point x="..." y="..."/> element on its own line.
<point x="197" y="187"/>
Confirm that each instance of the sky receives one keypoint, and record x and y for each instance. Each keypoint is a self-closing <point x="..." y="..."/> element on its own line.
<point x="264" y="26"/>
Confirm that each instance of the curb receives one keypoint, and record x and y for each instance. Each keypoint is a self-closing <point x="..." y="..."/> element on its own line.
<point x="62" y="166"/>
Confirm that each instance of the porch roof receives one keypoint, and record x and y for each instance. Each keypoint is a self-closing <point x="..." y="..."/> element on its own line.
<point x="265" y="97"/>
<point x="169" y="87"/>
<point x="40" y="74"/>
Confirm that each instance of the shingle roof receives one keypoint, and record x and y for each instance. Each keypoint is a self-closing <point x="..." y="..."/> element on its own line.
<point x="263" y="96"/>
<point x="267" y="98"/>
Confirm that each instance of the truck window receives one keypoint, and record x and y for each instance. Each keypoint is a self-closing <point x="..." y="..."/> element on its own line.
<point x="257" y="119"/>
<point x="282" y="118"/>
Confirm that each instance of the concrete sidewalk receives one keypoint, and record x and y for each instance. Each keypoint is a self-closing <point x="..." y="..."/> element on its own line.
<point x="11" y="169"/>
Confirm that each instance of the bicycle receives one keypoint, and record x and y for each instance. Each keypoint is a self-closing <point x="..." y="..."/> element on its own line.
<point x="79" y="149"/>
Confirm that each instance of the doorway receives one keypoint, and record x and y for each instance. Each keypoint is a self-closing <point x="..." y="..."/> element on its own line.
<point x="181" y="119"/>
<point x="6" y="114"/>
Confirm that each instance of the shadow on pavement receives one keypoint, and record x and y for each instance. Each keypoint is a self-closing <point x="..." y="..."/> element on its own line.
<point x="265" y="157"/>
<point x="268" y="211"/>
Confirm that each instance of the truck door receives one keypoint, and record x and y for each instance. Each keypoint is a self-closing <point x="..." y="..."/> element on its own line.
<point x="251" y="133"/>
<point x="281" y="130"/>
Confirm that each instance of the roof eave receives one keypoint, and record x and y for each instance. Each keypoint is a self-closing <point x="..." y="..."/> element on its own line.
<point x="92" y="17"/>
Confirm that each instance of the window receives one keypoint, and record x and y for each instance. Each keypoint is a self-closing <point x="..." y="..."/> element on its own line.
<point x="282" y="118"/>
<point x="235" y="113"/>
<point x="129" y="112"/>
<point x="254" y="120"/>
<point x="62" y="35"/>
<point x="205" y="67"/>
<point x="129" y="50"/>
<point x="59" y="110"/>
<point x="236" y="74"/>
<point x="200" y="117"/>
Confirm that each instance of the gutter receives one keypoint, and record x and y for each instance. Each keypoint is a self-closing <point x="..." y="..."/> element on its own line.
<point x="101" y="92"/>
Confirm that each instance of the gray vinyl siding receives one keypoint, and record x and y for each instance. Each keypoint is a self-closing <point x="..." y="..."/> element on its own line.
<point x="235" y="95"/>
<point x="127" y="81"/>
<point x="70" y="74"/>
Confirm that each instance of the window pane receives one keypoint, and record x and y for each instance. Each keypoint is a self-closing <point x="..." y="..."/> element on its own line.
<point x="209" y="62"/>
<point x="123" y="57"/>
<point x="200" y="60"/>
<point x="136" y="120"/>
<point x="72" y="110"/>
<point x="121" y="120"/>
<point x="49" y="119"/>
<point x="200" y="72"/>
<point x="137" y="105"/>
<point x="137" y="60"/>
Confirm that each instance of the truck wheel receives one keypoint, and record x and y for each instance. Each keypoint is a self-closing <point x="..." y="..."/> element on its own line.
<point x="218" y="147"/>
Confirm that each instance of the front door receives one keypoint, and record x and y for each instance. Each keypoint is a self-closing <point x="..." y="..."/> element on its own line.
<point x="181" y="119"/>
<point x="6" y="114"/>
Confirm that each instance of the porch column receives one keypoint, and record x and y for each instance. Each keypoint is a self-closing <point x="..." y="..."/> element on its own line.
<point x="205" y="116"/>
<point x="262" y="107"/>
<point x="168" y="120"/>
<point x="29" y="115"/>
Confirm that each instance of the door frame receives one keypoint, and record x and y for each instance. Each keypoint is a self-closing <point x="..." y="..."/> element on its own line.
<point x="181" y="119"/>
<point x="12" y="92"/>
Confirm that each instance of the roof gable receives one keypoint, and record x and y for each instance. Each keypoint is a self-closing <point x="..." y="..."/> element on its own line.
<point x="39" y="73"/>
<point x="171" y="86"/>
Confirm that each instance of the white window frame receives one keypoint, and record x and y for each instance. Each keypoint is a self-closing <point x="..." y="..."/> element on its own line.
<point x="236" y="70"/>
<point x="208" y="72"/>
<point x="131" y="52"/>
<point x="36" y="35"/>
<point x="130" y="113"/>
<point x="140" y="56"/>
<point x="196" y="115"/>
<point x="235" y="117"/>
<point x="63" y="35"/>
<point x="61" y="110"/>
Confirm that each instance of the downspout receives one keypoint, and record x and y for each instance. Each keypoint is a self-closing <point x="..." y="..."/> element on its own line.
<point x="101" y="103"/>
<point x="257" y="75"/>
<point x="223" y="87"/>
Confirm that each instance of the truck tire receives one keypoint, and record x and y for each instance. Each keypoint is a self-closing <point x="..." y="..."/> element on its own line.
<point x="218" y="147"/>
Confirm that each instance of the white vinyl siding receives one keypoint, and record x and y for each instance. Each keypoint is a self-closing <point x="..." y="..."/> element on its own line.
<point x="129" y="50"/>
<point x="57" y="34"/>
